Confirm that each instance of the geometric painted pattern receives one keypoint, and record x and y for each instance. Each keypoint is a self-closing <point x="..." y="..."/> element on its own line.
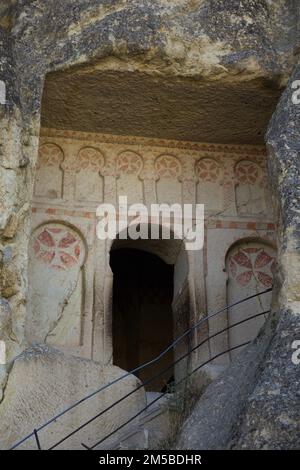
<point x="58" y="247"/>
<point x="249" y="263"/>
<point x="247" y="172"/>
<point x="168" y="166"/>
<point x="49" y="155"/>
<point x="129" y="163"/>
<point x="207" y="169"/>
<point x="90" y="158"/>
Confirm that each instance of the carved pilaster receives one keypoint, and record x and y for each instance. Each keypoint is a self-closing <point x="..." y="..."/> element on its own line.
<point x="110" y="182"/>
<point x="229" y="188"/>
<point x="188" y="180"/>
<point x="69" y="183"/>
<point x="149" y="177"/>
<point x="69" y="167"/>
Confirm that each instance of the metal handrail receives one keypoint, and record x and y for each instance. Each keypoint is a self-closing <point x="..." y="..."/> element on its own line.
<point x="154" y="377"/>
<point x="133" y="371"/>
<point x="161" y="396"/>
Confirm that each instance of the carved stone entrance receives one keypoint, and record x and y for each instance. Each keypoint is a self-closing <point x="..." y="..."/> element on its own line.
<point x="150" y="307"/>
<point x="142" y="313"/>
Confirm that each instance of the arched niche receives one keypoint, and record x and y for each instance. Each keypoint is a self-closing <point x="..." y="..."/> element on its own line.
<point x="168" y="186"/>
<point x="209" y="191"/>
<point x="171" y="253"/>
<point x="88" y="180"/>
<point x="49" y="174"/>
<point x="128" y="167"/>
<point x="249" y="188"/>
<point x="57" y="254"/>
<point x="250" y="265"/>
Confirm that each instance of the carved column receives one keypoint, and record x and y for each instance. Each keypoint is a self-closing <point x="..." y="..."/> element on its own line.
<point x="216" y="300"/>
<point x="104" y="278"/>
<point x="149" y="177"/>
<point x="229" y="187"/>
<point x="188" y="180"/>
<point x="110" y="182"/>
<point x="69" y="167"/>
<point x="102" y="318"/>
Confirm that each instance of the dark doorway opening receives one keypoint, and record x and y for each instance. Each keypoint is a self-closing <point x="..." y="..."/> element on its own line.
<point x="142" y="313"/>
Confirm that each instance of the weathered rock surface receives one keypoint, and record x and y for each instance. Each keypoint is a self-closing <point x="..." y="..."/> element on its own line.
<point x="271" y="417"/>
<point x="272" y="413"/>
<point x="43" y="382"/>
<point x="255" y="403"/>
<point x="5" y="313"/>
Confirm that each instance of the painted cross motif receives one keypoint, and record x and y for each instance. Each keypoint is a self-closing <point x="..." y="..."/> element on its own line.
<point x="59" y="248"/>
<point x="90" y="158"/>
<point x="168" y="167"/>
<point x="130" y="163"/>
<point x="207" y="169"/>
<point x="247" y="172"/>
<point x="50" y="155"/>
<point x="252" y="263"/>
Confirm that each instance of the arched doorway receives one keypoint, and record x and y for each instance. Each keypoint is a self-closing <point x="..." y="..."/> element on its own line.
<point x="142" y="313"/>
<point x="150" y="307"/>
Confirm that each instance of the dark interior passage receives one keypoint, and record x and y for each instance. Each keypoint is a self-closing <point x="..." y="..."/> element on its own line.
<point x="142" y="313"/>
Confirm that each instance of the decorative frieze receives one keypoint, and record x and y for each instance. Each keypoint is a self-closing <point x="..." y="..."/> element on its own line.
<point x="254" y="150"/>
<point x="101" y="169"/>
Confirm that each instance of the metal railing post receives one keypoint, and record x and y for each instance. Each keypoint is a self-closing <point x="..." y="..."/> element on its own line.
<point x="37" y="439"/>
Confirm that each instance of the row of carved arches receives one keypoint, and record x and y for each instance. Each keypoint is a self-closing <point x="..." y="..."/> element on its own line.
<point x="130" y="170"/>
<point x="130" y="162"/>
